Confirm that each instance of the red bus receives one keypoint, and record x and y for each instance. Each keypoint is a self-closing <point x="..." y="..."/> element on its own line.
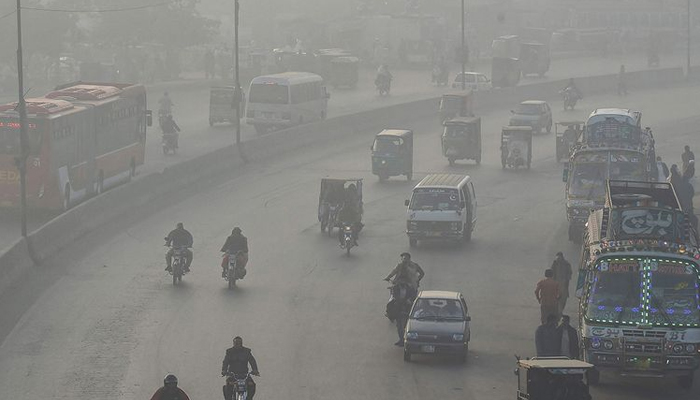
<point x="84" y="138"/>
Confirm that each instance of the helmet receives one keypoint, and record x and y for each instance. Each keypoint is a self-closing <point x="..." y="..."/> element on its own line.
<point x="236" y="230"/>
<point x="170" y="379"/>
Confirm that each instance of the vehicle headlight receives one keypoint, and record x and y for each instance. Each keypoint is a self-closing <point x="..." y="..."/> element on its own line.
<point x="383" y="162"/>
<point x="456" y="225"/>
<point x="690" y="348"/>
<point x="458" y="337"/>
<point x="595" y="343"/>
<point x="608" y="345"/>
<point x="411" y="335"/>
<point x="677" y="348"/>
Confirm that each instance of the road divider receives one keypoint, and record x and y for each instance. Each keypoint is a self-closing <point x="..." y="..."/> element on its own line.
<point x="65" y="229"/>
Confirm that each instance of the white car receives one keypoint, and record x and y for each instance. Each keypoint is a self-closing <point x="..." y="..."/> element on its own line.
<point x="473" y="81"/>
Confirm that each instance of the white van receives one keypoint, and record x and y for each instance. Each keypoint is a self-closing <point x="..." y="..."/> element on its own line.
<point x="286" y="99"/>
<point x="442" y="206"/>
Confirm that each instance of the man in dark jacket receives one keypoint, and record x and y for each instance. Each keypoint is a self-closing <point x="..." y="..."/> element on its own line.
<point x="547" y="338"/>
<point x="562" y="274"/>
<point x="568" y="338"/>
<point x="179" y="237"/>
<point x="688" y="158"/>
<point x="236" y="362"/>
<point x="169" y="390"/>
<point x="235" y="243"/>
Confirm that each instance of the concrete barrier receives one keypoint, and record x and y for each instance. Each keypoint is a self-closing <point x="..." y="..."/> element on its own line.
<point x="68" y="227"/>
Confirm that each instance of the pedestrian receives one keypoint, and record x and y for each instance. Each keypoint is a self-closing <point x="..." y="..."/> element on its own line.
<point x="547" y="294"/>
<point x="688" y="158"/>
<point x="685" y="193"/>
<point x="622" y="81"/>
<point x="661" y="170"/>
<point x="568" y="339"/>
<point x="547" y="338"/>
<point x="562" y="274"/>
<point x="675" y="176"/>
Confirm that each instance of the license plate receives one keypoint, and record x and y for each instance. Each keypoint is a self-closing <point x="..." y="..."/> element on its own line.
<point x="427" y="349"/>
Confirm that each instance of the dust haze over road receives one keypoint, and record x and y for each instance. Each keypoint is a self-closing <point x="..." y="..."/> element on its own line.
<point x="103" y="320"/>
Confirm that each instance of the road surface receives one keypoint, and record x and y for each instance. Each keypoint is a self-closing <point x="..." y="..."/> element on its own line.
<point x="102" y="319"/>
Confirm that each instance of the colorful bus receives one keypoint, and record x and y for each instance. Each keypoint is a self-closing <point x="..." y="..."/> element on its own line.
<point x="83" y="139"/>
<point x="639" y="279"/>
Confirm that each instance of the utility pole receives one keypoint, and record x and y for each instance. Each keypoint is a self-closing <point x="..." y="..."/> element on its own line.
<point x="463" y="53"/>
<point x="237" y="92"/>
<point x="21" y="160"/>
<point x="688" y="32"/>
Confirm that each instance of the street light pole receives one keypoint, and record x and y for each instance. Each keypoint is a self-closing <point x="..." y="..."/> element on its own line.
<point x="463" y="52"/>
<point x="237" y="91"/>
<point x="21" y="160"/>
<point x="688" y="55"/>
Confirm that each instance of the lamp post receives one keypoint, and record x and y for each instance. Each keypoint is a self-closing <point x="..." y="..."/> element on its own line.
<point x="237" y="91"/>
<point x="21" y="159"/>
<point x="688" y="55"/>
<point x="463" y="53"/>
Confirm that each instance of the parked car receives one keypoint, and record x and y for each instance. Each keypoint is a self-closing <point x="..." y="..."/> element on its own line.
<point x="438" y="324"/>
<point x="472" y="80"/>
<point x="533" y="113"/>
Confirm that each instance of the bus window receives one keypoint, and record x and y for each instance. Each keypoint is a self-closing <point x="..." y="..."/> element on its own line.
<point x="269" y="93"/>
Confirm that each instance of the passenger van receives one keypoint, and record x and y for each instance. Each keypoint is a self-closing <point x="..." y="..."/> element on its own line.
<point x="287" y="99"/>
<point x="442" y="206"/>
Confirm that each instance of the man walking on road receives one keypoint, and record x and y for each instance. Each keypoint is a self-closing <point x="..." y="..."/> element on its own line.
<point x="562" y="274"/>
<point x="688" y="158"/>
<point x="568" y="338"/>
<point x="547" y="293"/>
<point x="547" y="338"/>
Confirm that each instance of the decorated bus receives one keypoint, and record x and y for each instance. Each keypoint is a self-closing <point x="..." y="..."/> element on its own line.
<point x="639" y="309"/>
<point x="83" y="139"/>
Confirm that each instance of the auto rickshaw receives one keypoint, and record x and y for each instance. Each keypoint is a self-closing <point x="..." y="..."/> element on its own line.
<point x="344" y="72"/>
<point x="461" y="139"/>
<point x="534" y="58"/>
<point x="567" y="134"/>
<point x="516" y="146"/>
<point x="553" y="378"/>
<point x="221" y="104"/>
<point x="454" y="105"/>
<point x="334" y="194"/>
<point x="392" y="153"/>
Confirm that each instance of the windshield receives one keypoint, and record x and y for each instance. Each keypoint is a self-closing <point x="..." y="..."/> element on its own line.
<point x="387" y="144"/>
<point x="611" y="118"/>
<point x="616" y="292"/>
<point x="269" y="93"/>
<point x="627" y="167"/>
<point x="529" y="109"/>
<point x="673" y="294"/>
<point x="437" y="309"/>
<point x="588" y="180"/>
<point x="458" y="131"/>
<point x="435" y="199"/>
<point x="619" y="287"/>
<point x="222" y="97"/>
<point x="611" y="130"/>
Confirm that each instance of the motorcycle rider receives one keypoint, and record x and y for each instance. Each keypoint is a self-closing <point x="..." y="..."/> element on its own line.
<point x="236" y="362"/>
<point x="234" y="244"/>
<point x="384" y="77"/>
<point x="408" y="273"/>
<point x="169" y="390"/>
<point x="179" y="237"/>
<point x="170" y="127"/>
<point x="572" y="90"/>
<point x="165" y="105"/>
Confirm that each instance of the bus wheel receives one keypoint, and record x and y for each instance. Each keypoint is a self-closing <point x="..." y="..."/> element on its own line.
<point x="101" y="182"/>
<point x="66" y="197"/>
<point x="260" y="129"/>
<point x="323" y="115"/>
<point x="132" y="169"/>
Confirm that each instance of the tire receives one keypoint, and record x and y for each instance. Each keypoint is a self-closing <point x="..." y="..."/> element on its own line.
<point x="132" y="169"/>
<point x="231" y="283"/>
<point x="412" y="242"/>
<point x="101" y="182"/>
<point x="549" y="127"/>
<point x="478" y="159"/>
<point x="406" y="355"/>
<point x="347" y="251"/>
<point x="211" y="122"/>
<point x="382" y="177"/>
<point x="686" y="382"/>
<point x="409" y="176"/>
<point x="467" y="235"/>
<point x="165" y="150"/>
<point x="260" y="129"/>
<point x="66" y="197"/>
<point x="451" y="161"/>
<point x="323" y="225"/>
<point x="174" y="279"/>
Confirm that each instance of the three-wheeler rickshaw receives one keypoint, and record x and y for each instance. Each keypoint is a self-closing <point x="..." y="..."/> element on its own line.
<point x="567" y="134"/>
<point x="516" y="146"/>
<point x="336" y="193"/>
<point x="461" y="139"/>
<point x="553" y="378"/>
<point x="222" y="107"/>
<point x="392" y="153"/>
<point x="344" y="72"/>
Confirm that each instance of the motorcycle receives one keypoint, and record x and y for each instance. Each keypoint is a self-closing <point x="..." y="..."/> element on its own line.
<point x="439" y="76"/>
<point x="570" y="98"/>
<point x="170" y="143"/>
<point x="233" y="272"/>
<point x="162" y="115"/>
<point x="383" y="84"/>
<point x="240" y="385"/>
<point x="398" y="291"/>
<point x="515" y="159"/>
<point x="177" y="266"/>
<point x="347" y="241"/>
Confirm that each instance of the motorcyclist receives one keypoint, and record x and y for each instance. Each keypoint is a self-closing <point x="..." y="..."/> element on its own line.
<point x="407" y="273"/>
<point x="165" y="105"/>
<point x="234" y="244"/>
<point x="572" y="90"/>
<point x="179" y="237"/>
<point x="384" y="77"/>
<point x="169" y="390"/>
<point x="236" y="363"/>
<point x="349" y="215"/>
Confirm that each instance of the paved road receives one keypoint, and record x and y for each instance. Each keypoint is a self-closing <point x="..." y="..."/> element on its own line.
<point x="101" y="320"/>
<point x="192" y="112"/>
